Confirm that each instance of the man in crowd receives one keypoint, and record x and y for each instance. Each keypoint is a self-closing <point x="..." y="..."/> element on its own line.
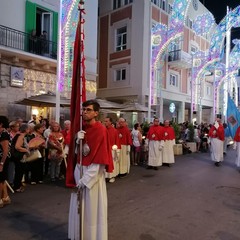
<point x="90" y="178"/>
<point x="216" y="135"/>
<point x="156" y="144"/>
<point x="169" y="141"/>
<point x="126" y="142"/>
<point x="115" y="146"/>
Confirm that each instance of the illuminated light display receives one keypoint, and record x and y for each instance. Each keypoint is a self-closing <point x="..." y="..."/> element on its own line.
<point x="203" y="23"/>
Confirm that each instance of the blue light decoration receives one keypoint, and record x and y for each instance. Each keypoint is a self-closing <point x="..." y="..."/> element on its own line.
<point x="203" y="23"/>
<point x="69" y="21"/>
<point x="216" y="49"/>
<point x="164" y="36"/>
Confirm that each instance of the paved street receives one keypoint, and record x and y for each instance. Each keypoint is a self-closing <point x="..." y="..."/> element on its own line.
<point x="192" y="200"/>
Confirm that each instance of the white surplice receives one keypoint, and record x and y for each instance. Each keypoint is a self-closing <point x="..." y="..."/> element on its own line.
<point x="216" y="150"/>
<point x="154" y="154"/>
<point x="168" y="153"/>
<point x="94" y="205"/>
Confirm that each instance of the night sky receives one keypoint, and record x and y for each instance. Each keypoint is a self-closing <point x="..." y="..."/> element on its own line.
<point x="219" y="10"/>
<point x="219" y="7"/>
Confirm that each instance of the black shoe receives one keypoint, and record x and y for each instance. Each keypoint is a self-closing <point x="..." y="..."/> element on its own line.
<point x="166" y="164"/>
<point x="149" y="167"/>
<point x="217" y="164"/>
<point x="155" y="168"/>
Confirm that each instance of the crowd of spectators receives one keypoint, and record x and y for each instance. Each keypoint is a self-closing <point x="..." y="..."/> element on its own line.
<point x="131" y="148"/>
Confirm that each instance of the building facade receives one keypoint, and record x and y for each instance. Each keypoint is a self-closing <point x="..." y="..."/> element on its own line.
<point x="28" y="53"/>
<point x="125" y="59"/>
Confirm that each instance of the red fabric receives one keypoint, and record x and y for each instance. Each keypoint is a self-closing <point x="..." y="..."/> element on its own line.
<point x="155" y="133"/>
<point x="76" y="102"/>
<point x="168" y="133"/>
<point x="124" y="136"/>
<point x="66" y="135"/>
<point x="217" y="133"/>
<point x="237" y="135"/>
<point x="113" y="137"/>
<point x="98" y="141"/>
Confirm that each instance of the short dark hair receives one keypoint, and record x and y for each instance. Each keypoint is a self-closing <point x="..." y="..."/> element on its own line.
<point x="38" y="126"/>
<point x="4" y="121"/>
<point x="110" y="119"/>
<point x="24" y="127"/>
<point x="136" y="125"/>
<point x="94" y="103"/>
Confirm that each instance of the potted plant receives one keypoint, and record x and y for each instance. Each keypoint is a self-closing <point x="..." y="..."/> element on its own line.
<point x="191" y="144"/>
<point x="177" y="148"/>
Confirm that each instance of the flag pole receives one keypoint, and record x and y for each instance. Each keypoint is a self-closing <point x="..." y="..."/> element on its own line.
<point x="80" y="193"/>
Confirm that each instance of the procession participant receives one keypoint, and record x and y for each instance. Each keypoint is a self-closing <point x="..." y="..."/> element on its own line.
<point x="237" y="141"/>
<point x="216" y="136"/>
<point x="96" y="156"/>
<point x="126" y="142"/>
<point x="115" y="146"/>
<point x="169" y="141"/>
<point x="156" y="144"/>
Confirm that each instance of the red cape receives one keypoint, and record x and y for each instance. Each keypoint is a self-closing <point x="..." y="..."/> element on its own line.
<point x="219" y="132"/>
<point x="155" y="133"/>
<point x="124" y="136"/>
<point x="168" y="133"/>
<point x="113" y="137"/>
<point x="237" y="135"/>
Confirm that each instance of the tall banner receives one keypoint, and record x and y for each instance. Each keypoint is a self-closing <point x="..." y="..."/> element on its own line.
<point x="233" y="117"/>
<point x="78" y="96"/>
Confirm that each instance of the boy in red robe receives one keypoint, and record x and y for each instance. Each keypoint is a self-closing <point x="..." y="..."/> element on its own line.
<point x="96" y="158"/>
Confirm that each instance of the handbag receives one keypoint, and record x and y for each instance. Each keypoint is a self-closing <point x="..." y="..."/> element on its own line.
<point x="33" y="156"/>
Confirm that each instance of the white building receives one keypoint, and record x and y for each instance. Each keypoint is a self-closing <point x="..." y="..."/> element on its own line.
<point x="28" y="61"/>
<point x="125" y="55"/>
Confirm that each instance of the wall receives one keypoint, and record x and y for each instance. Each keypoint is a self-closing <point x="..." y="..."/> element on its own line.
<point x="12" y="14"/>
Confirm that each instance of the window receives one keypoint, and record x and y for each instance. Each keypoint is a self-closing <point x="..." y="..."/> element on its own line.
<point x="193" y="50"/>
<point x="126" y="2"/>
<point x="120" y="3"/>
<point x="163" y="5"/>
<point x="170" y="8"/>
<point x="208" y="91"/>
<point x="173" y="81"/>
<point x="121" y="39"/>
<point x="116" y="4"/>
<point x="120" y="74"/>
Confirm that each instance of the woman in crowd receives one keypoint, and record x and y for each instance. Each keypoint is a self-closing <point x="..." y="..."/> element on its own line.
<point x="55" y="143"/>
<point x="37" y="165"/>
<point x="137" y="142"/>
<point x="19" y="148"/>
<point x="13" y="130"/>
<point x="4" y="157"/>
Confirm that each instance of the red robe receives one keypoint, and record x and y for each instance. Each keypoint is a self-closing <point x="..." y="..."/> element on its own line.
<point x="217" y="133"/>
<point x="113" y="137"/>
<point x="97" y="139"/>
<point x="155" y="133"/>
<point x="237" y="135"/>
<point x="168" y="133"/>
<point x="124" y="136"/>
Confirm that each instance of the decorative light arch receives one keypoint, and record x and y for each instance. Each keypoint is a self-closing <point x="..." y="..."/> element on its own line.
<point x="216" y="49"/>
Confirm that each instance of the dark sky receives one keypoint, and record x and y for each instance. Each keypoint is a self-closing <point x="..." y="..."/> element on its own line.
<point x="219" y="10"/>
<point x="219" y="7"/>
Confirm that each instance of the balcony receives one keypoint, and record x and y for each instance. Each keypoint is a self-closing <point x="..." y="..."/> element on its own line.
<point x="21" y="41"/>
<point x="179" y="59"/>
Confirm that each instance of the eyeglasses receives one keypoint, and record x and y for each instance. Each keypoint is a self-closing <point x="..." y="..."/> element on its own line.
<point x="87" y="110"/>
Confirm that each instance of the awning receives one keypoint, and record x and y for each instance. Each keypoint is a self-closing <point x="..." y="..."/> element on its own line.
<point x="44" y="100"/>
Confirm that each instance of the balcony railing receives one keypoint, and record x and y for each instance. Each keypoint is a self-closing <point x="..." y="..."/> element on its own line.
<point x="26" y="42"/>
<point x="180" y="58"/>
